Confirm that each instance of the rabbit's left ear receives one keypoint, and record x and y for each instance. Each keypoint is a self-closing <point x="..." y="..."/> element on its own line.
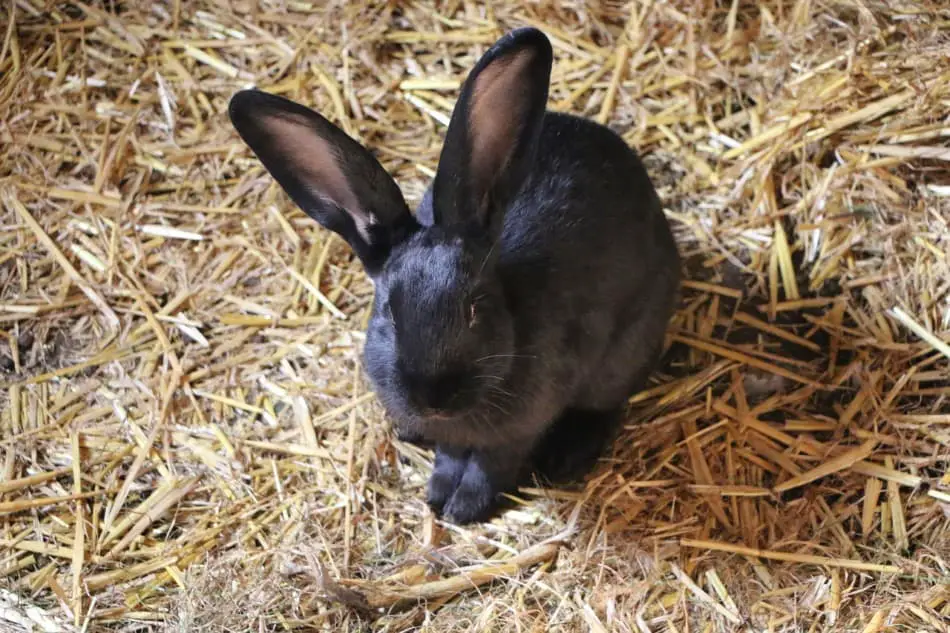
<point x="330" y="176"/>
<point x="493" y="135"/>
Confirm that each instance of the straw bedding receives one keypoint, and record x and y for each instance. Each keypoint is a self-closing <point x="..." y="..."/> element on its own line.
<point x="187" y="442"/>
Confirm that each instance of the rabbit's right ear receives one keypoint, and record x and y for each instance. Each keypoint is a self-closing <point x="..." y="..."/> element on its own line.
<point x="492" y="138"/>
<point x="330" y="176"/>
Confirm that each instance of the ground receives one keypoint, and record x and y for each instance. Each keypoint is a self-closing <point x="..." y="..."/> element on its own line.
<point x="187" y="442"/>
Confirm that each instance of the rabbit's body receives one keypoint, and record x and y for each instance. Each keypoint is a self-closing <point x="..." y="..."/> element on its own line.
<point x="571" y="255"/>
<point x="524" y="302"/>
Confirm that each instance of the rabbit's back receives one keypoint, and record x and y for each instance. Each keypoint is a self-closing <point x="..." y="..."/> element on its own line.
<point x="587" y="230"/>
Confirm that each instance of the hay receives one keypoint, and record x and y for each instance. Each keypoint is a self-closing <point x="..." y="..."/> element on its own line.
<point x="185" y="428"/>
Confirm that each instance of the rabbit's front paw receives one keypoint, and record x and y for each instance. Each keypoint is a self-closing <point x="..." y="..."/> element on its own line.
<point x="464" y="486"/>
<point x="486" y="476"/>
<point x="446" y="474"/>
<point x="473" y="500"/>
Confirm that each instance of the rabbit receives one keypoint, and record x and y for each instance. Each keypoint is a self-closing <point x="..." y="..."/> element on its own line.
<point x="526" y="299"/>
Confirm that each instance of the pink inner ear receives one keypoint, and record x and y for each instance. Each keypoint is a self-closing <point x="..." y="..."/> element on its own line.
<point x="497" y="115"/>
<point x="315" y="163"/>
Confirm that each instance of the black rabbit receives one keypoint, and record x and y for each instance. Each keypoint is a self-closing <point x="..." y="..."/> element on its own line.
<point x="528" y="297"/>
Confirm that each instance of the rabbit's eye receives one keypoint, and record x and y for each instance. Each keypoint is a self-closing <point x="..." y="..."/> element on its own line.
<point x="472" y="314"/>
<point x="473" y="311"/>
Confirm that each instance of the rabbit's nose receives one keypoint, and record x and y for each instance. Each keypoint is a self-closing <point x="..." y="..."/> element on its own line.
<point x="435" y="394"/>
<point x="432" y="397"/>
<point x="436" y="414"/>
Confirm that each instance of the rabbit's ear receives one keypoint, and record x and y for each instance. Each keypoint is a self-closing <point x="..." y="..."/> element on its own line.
<point x="326" y="173"/>
<point x="493" y="135"/>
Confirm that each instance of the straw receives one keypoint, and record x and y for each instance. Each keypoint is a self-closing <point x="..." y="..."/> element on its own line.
<point x="188" y="441"/>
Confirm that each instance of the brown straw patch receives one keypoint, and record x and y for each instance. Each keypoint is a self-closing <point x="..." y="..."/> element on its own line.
<point x="187" y="441"/>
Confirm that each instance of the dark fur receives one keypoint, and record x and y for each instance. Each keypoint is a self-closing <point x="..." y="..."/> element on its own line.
<point x="568" y="257"/>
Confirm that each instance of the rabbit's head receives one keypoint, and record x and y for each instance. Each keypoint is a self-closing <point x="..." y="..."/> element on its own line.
<point x="441" y="336"/>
